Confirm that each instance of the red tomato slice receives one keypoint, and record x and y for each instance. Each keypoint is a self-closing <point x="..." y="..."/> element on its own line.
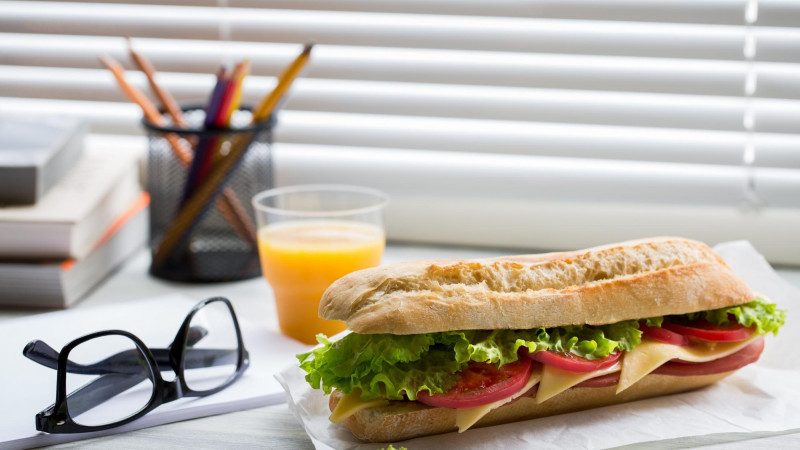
<point x="574" y="363"/>
<point x="482" y="383"/>
<point x="663" y="335"/>
<point x="743" y="357"/>
<point x="706" y="331"/>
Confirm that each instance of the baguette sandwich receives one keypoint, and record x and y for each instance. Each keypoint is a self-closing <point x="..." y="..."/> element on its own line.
<point x="440" y="346"/>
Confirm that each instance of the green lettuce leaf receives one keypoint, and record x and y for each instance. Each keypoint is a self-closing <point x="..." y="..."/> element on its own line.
<point x="766" y="317"/>
<point x="400" y="366"/>
<point x="654" y="321"/>
<point x="382" y="365"/>
<point x="595" y="342"/>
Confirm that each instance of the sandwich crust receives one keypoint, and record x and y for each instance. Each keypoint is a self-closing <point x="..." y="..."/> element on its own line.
<point x="601" y="285"/>
<point x="402" y="420"/>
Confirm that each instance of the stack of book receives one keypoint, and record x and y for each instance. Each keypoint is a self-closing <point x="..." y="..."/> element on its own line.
<point x="68" y="217"/>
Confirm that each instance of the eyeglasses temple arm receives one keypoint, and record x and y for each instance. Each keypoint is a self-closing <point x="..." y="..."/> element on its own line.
<point x="41" y="353"/>
<point x="193" y="358"/>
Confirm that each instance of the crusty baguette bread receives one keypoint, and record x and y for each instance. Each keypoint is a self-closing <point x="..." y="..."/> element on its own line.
<point x="402" y="420"/>
<point x="602" y="285"/>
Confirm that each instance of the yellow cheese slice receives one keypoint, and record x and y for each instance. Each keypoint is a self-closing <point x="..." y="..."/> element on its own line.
<point x="650" y="355"/>
<point x="351" y="404"/>
<point x="466" y="417"/>
<point x="556" y="381"/>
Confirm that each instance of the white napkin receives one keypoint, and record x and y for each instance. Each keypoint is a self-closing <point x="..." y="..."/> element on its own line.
<point x="761" y="397"/>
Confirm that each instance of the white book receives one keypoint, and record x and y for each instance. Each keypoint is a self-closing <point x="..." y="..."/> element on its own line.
<point x="71" y="218"/>
<point x="58" y="284"/>
<point x="35" y="153"/>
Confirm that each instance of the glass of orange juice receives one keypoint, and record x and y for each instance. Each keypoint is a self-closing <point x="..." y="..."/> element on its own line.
<point x="308" y="237"/>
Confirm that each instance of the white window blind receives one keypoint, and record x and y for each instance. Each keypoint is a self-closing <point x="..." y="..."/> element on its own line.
<point x="543" y="123"/>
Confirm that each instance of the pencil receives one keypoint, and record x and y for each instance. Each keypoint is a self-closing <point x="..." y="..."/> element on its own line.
<point x="229" y="206"/>
<point x="214" y="117"/>
<point x="268" y="104"/>
<point x="230" y="104"/>
<point x="134" y="94"/>
<point x="241" y="71"/>
<point x="202" y="155"/>
<point x="166" y="99"/>
<point x="191" y="213"/>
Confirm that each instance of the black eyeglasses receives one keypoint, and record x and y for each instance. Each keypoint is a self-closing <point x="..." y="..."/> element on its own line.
<point x="96" y="392"/>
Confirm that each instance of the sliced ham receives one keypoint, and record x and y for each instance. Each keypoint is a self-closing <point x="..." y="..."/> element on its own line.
<point x="743" y="357"/>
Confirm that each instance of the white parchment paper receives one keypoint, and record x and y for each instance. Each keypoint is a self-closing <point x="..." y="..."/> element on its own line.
<point x="761" y="397"/>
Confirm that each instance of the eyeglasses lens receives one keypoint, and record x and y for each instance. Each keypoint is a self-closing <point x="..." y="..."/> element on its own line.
<point x="212" y="360"/>
<point x="110" y="381"/>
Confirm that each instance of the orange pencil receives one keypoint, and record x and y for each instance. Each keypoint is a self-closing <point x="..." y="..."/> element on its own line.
<point x="163" y="95"/>
<point x="134" y="94"/>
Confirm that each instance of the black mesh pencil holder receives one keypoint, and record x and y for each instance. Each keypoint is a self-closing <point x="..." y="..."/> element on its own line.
<point x="221" y="243"/>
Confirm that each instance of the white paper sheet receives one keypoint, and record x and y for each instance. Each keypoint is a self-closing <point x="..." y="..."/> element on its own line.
<point x="761" y="397"/>
<point x="27" y="388"/>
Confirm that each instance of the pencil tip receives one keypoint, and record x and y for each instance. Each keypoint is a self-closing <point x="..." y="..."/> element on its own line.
<point x="109" y="62"/>
<point x="309" y="45"/>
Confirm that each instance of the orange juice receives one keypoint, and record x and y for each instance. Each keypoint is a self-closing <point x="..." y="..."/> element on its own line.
<point x="301" y="259"/>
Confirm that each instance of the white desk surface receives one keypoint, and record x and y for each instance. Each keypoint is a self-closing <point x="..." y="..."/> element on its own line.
<point x="273" y="426"/>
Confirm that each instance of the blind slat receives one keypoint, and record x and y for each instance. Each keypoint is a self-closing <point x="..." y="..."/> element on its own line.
<point x="478" y="102"/>
<point x="779" y="13"/>
<point x="609" y="73"/>
<point x="397" y="30"/>
<point x="725" y="12"/>
<point x="480" y="136"/>
<point x="547" y="225"/>
<point x="416" y="65"/>
<point x="475" y="175"/>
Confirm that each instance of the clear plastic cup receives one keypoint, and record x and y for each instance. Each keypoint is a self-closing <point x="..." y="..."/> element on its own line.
<point x="309" y="236"/>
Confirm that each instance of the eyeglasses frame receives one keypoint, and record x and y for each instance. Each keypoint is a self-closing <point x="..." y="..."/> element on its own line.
<point x="57" y="419"/>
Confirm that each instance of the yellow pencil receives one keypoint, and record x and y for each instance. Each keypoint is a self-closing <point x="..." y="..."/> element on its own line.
<point x="268" y="104"/>
<point x="242" y="70"/>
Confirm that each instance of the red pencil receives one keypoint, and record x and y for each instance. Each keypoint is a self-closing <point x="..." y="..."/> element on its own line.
<point x="224" y="110"/>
